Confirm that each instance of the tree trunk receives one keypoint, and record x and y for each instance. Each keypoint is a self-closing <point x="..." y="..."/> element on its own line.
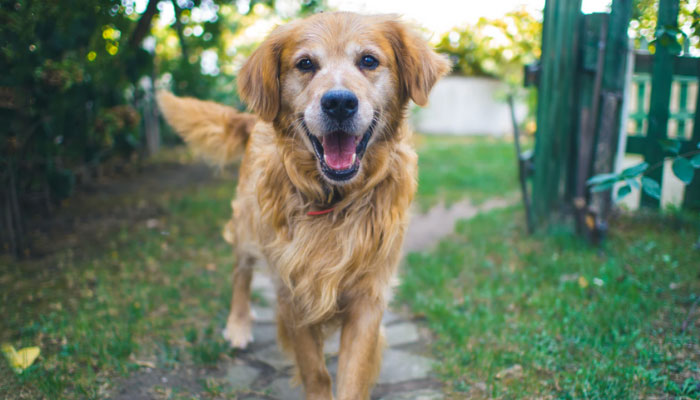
<point x="144" y="24"/>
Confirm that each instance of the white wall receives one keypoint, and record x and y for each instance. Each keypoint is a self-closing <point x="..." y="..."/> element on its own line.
<point x="467" y="106"/>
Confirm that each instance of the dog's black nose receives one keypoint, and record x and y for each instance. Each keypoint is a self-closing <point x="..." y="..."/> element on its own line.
<point x="339" y="104"/>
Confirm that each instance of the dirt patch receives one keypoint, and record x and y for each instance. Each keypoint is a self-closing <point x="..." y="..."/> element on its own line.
<point x="155" y="383"/>
<point x="98" y="210"/>
<point x="426" y="230"/>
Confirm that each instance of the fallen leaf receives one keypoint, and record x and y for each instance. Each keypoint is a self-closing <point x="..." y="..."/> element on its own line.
<point x="22" y="359"/>
<point x="583" y="282"/>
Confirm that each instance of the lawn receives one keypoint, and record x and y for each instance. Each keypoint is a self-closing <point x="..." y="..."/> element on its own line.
<point x="453" y="167"/>
<point x="552" y="317"/>
<point x="154" y="294"/>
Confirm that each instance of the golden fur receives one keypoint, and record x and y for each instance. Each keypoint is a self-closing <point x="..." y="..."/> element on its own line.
<point x="334" y="268"/>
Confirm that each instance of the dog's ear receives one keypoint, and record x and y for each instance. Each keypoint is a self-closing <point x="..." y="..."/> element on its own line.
<point x="258" y="79"/>
<point x="418" y="66"/>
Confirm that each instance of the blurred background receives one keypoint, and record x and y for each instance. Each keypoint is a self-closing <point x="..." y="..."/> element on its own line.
<point x="76" y="98"/>
<point x="114" y="275"/>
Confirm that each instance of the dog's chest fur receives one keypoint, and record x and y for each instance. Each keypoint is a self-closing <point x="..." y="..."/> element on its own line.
<point x="352" y="251"/>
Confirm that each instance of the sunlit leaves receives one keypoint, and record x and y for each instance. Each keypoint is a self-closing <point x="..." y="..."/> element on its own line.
<point x="495" y="47"/>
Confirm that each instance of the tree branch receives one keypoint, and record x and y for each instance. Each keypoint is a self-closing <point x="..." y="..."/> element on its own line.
<point x="144" y="24"/>
<point x="180" y="34"/>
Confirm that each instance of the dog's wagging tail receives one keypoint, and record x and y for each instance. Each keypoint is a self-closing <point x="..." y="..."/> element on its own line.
<point x="327" y="177"/>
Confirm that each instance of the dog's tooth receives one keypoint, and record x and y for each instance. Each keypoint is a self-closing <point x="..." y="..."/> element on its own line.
<point x="354" y="157"/>
<point x="325" y="158"/>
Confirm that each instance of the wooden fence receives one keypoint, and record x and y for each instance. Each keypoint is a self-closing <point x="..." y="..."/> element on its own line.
<point x="681" y="121"/>
<point x="581" y="86"/>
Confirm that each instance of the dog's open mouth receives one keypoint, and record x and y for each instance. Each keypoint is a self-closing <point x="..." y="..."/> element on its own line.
<point x="340" y="153"/>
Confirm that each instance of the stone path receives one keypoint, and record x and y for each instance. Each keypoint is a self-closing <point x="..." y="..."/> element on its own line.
<point x="263" y="372"/>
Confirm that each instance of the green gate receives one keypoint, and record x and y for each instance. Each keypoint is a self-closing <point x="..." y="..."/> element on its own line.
<point x="683" y="73"/>
<point x="581" y="87"/>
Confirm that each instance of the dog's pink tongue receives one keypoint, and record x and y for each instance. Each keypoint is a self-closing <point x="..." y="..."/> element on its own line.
<point x="338" y="149"/>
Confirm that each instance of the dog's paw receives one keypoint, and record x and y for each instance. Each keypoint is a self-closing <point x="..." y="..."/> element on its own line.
<point x="239" y="334"/>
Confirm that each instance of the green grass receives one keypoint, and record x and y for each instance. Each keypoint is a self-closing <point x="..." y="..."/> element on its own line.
<point x="450" y="168"/>
<point x="143" y="298"/>
<point x="581" y="322"/>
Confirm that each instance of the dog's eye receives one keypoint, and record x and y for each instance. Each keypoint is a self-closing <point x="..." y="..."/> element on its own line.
<point x="369" y="62"/>
<point x="305" y="64"/>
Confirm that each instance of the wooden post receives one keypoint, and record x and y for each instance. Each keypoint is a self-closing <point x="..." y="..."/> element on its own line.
<point x="595" y="28"/>
<point x="557" y="102"/>
<point x="691" y="199"/>
<point x="610" y="111"/>
<point x="661" y="79"/>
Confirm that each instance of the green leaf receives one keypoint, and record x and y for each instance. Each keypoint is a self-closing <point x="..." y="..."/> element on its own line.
<point x="622" y="192"/>
<point x="633" y="183"/>
<point x="683" y="169"/>
<point x="670" y="146"/>
<point x="603" y="178"/>
<point x="601" y="187"/>
<point x="635" y="170"/>
<point x="695" y="161"/>
<point x="651" y="187"/>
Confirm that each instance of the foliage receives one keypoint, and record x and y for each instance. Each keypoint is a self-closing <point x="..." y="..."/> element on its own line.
<point x="496" y="48"/>
<point x="580" y="322"/>
<point x="79" y="81"/>
<point x="683" y="166"/>
<point x="644" y="31"/>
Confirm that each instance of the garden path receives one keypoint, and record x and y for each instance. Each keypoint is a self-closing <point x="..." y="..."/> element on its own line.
<point x="264" y="372"/>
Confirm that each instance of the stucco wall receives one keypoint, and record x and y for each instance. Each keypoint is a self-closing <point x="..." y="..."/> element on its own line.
<point x="466" y="106"/>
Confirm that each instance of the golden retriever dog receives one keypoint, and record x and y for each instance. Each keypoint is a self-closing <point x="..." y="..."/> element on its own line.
<point x="326" y="181"/>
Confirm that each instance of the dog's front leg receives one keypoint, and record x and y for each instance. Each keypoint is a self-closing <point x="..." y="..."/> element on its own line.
<point x="306" y="341"/>
<point x="361" y="345"/>
<point x="238" y="331"/>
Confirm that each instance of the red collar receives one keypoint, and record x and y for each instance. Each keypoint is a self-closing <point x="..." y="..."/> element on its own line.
<point x="332" y="197"/>
<point x="321" y="212"/>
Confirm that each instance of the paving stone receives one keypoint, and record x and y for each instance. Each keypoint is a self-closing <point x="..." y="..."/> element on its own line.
<point x="332" y="344"/>
<point x="263" y="314"/>
<point x="403" y="333"/>
<point x="427" y="394"/>
<point x="281" y="389"/>
<point x="274" y="357"/>
<point x="400" y="366"/>
<point x="262" y="282"/>
<point x="264" y="333"/>
<point x="390" y="317"/>
<point x="397" y="334"/>
<point x="241" y="376"/>
<point x="397" y="366"/>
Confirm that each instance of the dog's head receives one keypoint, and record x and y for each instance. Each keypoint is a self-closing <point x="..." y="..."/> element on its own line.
<point x="339" y="82"/>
